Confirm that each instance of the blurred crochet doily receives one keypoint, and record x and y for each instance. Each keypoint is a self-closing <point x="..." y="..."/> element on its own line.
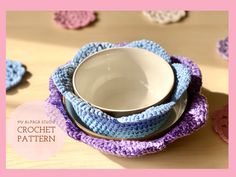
<point x="220" y="122"/>
<point x="14" y="73"/>
<point x="222" y="47"/>
<point x="74" y="19"/>
<point x="165" y="17"/>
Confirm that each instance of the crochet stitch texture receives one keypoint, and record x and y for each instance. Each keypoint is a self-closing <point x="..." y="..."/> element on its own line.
<point x="14" y="73"/>
<point x="223" y="48"/>
<point x="193" y="118"/>
<point x="132" y="126"/>
<point x="74" y="19"/>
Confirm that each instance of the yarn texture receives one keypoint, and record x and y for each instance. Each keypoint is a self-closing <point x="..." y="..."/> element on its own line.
<point x="193" y="118"/>
<point x="165" y="17"/>
<point x="223" y="47"/>
<point x="132" y="126"/>
<point x="74" y="19"/>
<point x="14" y="73"/>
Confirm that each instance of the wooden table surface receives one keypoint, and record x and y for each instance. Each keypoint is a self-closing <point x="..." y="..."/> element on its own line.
<point x="35" y="40"/>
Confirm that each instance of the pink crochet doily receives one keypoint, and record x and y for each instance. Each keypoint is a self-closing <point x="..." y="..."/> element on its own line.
<point x="220" y="122"/>
<point x="74" y="19"/>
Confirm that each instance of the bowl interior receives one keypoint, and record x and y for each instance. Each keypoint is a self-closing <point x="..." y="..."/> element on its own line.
<point x="123" y="79"/>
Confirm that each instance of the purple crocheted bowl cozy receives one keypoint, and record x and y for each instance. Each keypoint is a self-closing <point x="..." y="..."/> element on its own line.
<point x="193" y="118"/>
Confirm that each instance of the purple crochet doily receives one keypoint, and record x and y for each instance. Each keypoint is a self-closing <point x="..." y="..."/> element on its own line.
<point x="221" y="122"/>
<point x="193" y="118"/>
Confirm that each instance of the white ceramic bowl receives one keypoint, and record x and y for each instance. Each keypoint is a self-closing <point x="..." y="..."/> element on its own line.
<point x="122" y="81"/>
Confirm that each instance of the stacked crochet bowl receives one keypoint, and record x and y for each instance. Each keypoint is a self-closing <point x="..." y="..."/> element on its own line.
<point x="139" y="133"/>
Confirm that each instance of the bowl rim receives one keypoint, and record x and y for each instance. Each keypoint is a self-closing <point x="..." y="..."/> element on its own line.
<point x="139" y="109"/>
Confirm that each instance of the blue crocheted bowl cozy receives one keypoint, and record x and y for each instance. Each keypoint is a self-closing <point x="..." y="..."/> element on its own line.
<point x="14" y="73"/>
<point x="131" y="126"/>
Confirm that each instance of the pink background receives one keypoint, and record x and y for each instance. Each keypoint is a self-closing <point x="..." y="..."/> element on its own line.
<point x="121" y="5"/>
